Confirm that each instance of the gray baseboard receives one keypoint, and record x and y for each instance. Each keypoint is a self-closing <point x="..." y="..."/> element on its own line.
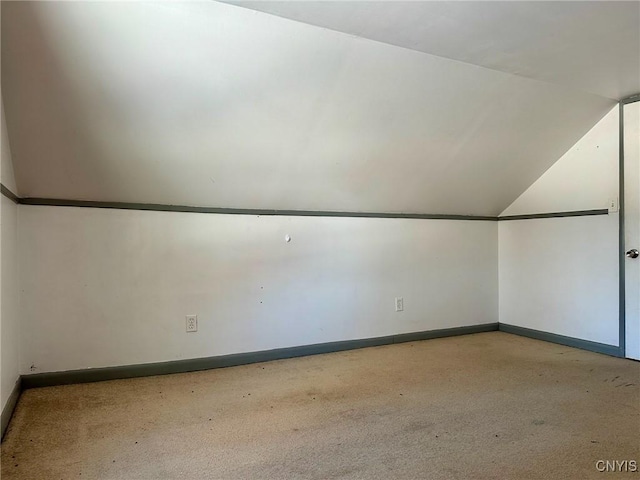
<point x="196" y="364"/>
<point x="191" y="365"/>
<point x="7" y="411"/>
<point x="612" y="350"/>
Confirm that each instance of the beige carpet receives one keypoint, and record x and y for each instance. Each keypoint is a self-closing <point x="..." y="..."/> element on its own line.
<point x="490" y="405"/>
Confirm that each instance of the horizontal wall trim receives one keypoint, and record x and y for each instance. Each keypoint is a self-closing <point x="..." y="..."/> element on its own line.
<point x="244" y="211"/>
<point x="196" y="364"/>
<point x="574" y="213"/>
<point x="631" y="99"/>
<point x="562" y="340"/>
<point x="157" y="207"/>
<point x="9" y="408"/>
<point x="9" y="194"/>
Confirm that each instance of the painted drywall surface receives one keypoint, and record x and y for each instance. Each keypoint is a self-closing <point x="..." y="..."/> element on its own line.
<point x="560" y="275"/>
<point x="632" y="226"/>
<point x="9" y="302"/>
<point x="584" y="178"/>
<point x="593" y="46"/>
<point x="112" y="287"/>
<point x="201" y="103"/>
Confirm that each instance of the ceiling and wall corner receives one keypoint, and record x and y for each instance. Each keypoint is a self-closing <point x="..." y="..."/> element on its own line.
<point x="584" y="178"/>
<point x="592" y="46"/>
<point x="561" y="275"/>
<point x="210" y="104"/>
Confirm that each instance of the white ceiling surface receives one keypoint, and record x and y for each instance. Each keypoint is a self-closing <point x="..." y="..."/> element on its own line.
<point x="588" y="45"/>
<point x="213" y="105"/>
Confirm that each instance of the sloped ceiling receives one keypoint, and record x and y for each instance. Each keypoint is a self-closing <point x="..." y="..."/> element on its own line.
<point x="209" y="104"/>
<point x="588" y="45"/>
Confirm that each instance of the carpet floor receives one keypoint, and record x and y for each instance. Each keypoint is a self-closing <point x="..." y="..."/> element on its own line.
<point x="484" y="406"/>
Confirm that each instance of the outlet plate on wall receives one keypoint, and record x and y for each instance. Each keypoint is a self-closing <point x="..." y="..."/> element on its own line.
<point x="192" y="323"/>
<point x="399" y="304"/>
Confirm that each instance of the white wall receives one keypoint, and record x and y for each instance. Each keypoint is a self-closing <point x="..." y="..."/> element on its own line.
<point x="561" y="275"/>
<point x="112" y="287"/>
<point x="9" y="320"/>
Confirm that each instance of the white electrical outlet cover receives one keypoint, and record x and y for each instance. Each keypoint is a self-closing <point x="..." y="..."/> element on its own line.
<point x="399" y="304"/>
<point x="191" y="323"/>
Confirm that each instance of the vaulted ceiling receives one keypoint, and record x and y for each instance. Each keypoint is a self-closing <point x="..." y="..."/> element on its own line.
<point x="211" y="104"/>
<point x="592" y="46"/>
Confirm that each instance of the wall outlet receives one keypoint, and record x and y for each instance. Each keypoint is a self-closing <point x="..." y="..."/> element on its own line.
<point x="399" y="304"/>
<point x="192" y="323"/>
<point x="613" y="205"/>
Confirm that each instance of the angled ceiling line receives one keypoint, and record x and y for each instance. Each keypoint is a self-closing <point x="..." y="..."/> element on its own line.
<point x="368" y="39"/>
